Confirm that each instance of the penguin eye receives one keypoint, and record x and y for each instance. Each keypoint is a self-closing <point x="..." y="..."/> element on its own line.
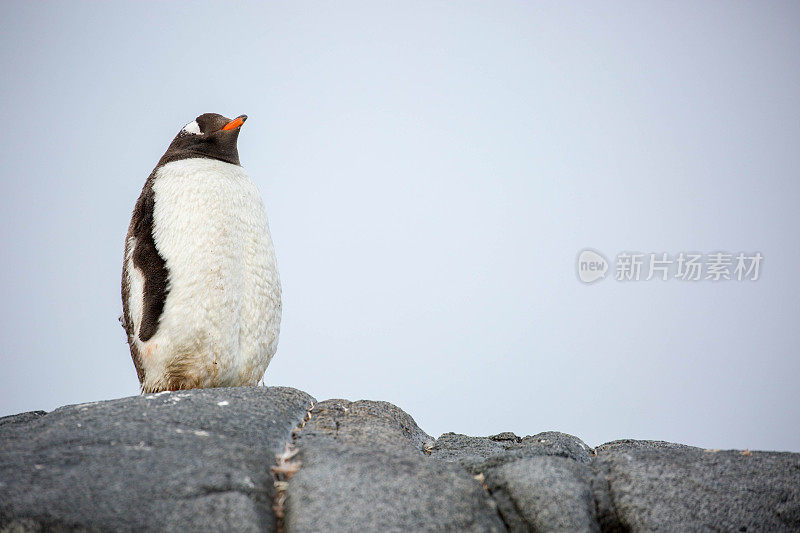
<point x="193" y="127"/>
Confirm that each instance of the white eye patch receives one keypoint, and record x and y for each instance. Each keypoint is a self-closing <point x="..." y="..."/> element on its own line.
<point x="192" y="127"/>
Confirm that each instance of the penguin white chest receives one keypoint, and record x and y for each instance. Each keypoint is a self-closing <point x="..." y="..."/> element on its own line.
<point x="221" y="316"/>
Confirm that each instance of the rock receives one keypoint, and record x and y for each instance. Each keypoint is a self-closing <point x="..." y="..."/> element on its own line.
<point x="465" y="450"/>
<point x="201" y="460"/>
<point x="558" y="444"/>
<point x="476" y="454"/>
<point x="171" y="461"/>
<point x="379" y="424"/>
<point x="545" y="493"/>
<point x="646" y="485"/>
<point x="365" y="468"/>
<point x="22" y="417"/>
<point x="540" y="482"/>
<point x="553" y="481"/>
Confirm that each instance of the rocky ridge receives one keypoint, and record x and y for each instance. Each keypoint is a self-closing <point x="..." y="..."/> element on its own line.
<point x="270" y="458"/>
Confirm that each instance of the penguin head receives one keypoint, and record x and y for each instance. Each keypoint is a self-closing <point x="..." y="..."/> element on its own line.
<point x="209" y="135"/>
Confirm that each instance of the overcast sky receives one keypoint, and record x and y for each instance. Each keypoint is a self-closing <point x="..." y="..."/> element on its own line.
<point x="431" y="172"/>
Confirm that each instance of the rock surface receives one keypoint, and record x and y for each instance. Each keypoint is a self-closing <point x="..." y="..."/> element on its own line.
<point x="365" y="468"/>
<point x="171" y="461"/>
<point x="203" y="459"/>
<point x="691" y="489"/>
<point x="540" y="482"/>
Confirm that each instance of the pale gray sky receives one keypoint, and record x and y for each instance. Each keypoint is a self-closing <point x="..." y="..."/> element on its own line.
<point x="431" y="172"/>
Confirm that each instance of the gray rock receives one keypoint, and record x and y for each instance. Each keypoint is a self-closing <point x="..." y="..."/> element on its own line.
<point x="380" y="424"/>
<point x="468" y="451"/>
<point x="540" y="482"/>
<point x="477" y="454"/>
<point x="364" y="467"/>
<point x="195" y="459"/>
<point x="545" y="493"/>
<point x="22" y="417"/>
<point x="558" y="444"/>
<point x="200" y="460"/>
<point x="553" y="481"/>
<point x="647" y="486"/>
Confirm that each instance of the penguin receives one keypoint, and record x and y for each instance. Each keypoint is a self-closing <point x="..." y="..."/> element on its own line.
<point x="201" y="293"/>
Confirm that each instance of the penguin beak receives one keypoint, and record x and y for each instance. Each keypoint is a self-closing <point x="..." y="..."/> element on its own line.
<point x="235" y="123"/>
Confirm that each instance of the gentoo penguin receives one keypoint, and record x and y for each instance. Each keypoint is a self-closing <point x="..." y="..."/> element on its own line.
<point x="201" y="295"/>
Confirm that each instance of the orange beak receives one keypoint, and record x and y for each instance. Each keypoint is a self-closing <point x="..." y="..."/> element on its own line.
<point x="235" y="123"/>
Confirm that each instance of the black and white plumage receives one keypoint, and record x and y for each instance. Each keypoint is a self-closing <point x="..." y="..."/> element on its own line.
<point x="201" y="293"/>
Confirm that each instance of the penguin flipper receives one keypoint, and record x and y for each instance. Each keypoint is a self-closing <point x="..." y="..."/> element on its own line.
<point x="144" y="279"/>
<point x="150" y="263"/>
